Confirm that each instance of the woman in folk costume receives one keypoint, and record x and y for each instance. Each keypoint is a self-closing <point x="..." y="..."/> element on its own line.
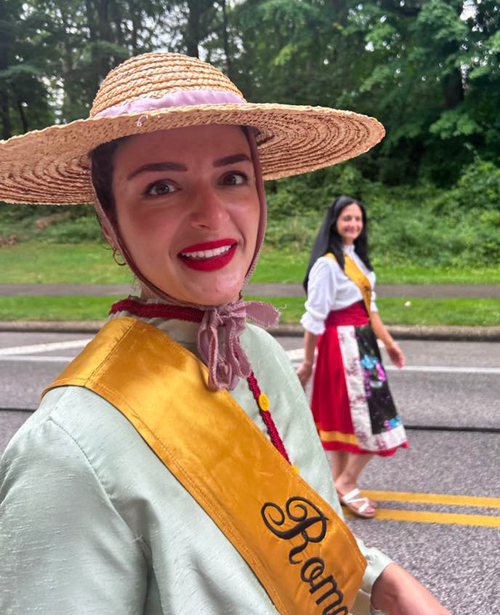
<point x="351" y="402"/>
<point x="173" y="467"/>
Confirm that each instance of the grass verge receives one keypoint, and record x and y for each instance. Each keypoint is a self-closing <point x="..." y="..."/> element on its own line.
<point x="36" y="262"/>
<point x="23" y="307"/>
<point x="456" y="312"/>
<point x="393" y="311"/>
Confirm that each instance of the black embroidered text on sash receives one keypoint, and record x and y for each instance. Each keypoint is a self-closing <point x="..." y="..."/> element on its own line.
<point x="310" y="523"/>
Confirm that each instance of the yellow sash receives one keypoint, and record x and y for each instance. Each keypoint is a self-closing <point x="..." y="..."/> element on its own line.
<point x="301" y="551"/>
<point x="354" y="273"/>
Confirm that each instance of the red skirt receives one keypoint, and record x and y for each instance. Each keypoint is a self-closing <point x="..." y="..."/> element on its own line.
<point x="332" y="401"/>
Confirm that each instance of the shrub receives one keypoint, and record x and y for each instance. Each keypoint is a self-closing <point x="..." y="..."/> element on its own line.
<point x="408" y="223"/>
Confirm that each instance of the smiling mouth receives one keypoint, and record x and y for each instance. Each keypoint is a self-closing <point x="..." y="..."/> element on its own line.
<point x="204" y="254"/>
<point x="209" y="256"/>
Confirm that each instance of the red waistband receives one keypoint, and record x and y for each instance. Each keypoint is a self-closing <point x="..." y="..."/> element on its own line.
<point x="354" y="315"/>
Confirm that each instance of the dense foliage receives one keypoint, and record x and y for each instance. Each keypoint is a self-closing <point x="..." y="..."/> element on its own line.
<point x="421" y="224"/>
<point x="428" y="69"/>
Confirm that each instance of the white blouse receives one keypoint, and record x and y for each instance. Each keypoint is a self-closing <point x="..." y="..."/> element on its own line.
<point x="330" y="289"/>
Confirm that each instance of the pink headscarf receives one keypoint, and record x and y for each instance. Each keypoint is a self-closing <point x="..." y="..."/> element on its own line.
<point x="224" y="370"/>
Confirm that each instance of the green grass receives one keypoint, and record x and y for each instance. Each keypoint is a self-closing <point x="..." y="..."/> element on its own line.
<point x="47" y="308"/>
<point x="279" y="266"/>
<point x="447" y="312"/>
<point x="414" y="274"/>
<point x="285" y="267"/>
<point x="464" y="312"/>
<point x="36" y="262"/>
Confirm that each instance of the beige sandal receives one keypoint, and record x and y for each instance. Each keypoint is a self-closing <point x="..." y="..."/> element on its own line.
<point x="373" y="504"/>
<point x="351" y="498"/>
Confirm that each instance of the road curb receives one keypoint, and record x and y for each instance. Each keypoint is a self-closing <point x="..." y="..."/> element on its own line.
<point x="48" y="326"/>
<point x="417" y="332"/>
<point x="402" y="332"/>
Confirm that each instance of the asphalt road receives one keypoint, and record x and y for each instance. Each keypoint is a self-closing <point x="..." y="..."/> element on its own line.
<point x="408" y="291"/>
<point x="449" y="394"/>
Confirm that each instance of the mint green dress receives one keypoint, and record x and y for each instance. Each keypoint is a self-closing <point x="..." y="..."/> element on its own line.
<point x="92" y="523"/>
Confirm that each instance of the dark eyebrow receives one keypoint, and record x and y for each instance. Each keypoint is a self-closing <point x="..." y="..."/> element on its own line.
<point x="158" y="166"/>
<point x="222" y="162"/>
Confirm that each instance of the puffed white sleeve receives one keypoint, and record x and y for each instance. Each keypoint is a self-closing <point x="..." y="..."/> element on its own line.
<point x="320" y="296"/>
<point x="65" y="548"/>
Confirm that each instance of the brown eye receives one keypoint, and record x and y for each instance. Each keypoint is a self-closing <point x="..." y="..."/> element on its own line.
<point x="160" y="188"/>
<point x="234" y="179"/>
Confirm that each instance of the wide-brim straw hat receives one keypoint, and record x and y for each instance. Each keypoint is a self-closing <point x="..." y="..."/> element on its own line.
<point x="161" y="91"/>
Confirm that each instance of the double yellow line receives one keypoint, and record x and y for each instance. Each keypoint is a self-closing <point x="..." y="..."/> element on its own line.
<point x="422" y="516"/>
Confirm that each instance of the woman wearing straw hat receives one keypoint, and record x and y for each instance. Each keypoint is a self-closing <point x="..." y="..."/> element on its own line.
<point x="173" y="467"/>
<point x="351" y="402"/>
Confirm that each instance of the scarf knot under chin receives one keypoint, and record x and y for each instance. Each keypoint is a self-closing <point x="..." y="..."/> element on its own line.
<point x="225" y="371"/>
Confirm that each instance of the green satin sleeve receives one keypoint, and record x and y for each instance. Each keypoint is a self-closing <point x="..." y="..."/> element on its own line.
<point x="64" y="549"/>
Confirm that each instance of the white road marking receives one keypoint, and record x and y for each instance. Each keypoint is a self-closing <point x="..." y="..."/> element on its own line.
<point x="17" y="350"/>
<point x="445" y="369"/>
<point x="36" y="359"/>
<point x="297" y="354"/>
<point x="24" y="353"/>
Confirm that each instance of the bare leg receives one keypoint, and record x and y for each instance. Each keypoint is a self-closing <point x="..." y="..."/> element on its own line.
<point x="338" y="460"/>
<point x="348" y="479"/>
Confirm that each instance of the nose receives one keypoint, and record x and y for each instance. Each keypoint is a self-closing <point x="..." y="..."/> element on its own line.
<point x="208" y="210"/>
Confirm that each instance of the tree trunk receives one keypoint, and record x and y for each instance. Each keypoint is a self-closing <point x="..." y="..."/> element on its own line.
<point x="136" y="24"/>
<point x="93" y="37"/>
<point x="192" y="36"/>
<point x="105" y="31"/>
<point x="453" y="89"/>
<point x="225" y="40"/>
<point x="22" y="115"/>
<point x="4" y="86"/>
<point x="118" y="21"/>
<point x="67" y="64"/>
<point x="4" y="112"/>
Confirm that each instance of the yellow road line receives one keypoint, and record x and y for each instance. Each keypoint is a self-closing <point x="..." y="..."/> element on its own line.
<point x="418" y="516"/>
<point x="433" y="498"/>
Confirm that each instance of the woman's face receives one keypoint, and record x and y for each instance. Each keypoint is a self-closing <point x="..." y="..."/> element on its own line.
<point x="188" y="210"/>
<point x="350" y="223"/>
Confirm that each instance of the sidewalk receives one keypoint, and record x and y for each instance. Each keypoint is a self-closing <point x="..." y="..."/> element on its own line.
<point x="400" y="332"/>
<point x="404" y="291"/>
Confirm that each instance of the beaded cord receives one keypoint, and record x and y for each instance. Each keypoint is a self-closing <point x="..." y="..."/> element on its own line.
<point x="161" y="310"/>
<point x="264" y="410"/>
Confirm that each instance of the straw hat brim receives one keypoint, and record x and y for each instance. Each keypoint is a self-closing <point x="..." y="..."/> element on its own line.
<point x="51" y="166"/>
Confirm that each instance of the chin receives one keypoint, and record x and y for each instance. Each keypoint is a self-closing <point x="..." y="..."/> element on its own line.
<point x="208" y="296"/>
<point x="205" y="289"/>
<point x="218" y="298"/>
<point x="223" y="290"/>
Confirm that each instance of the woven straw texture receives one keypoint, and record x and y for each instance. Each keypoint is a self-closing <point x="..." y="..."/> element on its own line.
<point x="51" y="166"/>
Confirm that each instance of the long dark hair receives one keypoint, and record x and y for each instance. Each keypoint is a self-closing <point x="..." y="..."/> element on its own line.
<point x="329" y="240"/>
<point x="102" y="168"/>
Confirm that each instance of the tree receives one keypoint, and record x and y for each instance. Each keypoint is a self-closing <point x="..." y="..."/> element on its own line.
<point x="24" y="96"/>
<point x="428" y="69"/>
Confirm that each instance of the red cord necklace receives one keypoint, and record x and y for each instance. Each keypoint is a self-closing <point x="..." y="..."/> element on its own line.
<point x="162" y="310"/>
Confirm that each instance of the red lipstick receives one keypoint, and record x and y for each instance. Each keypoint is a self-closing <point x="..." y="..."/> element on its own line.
<point x="209" y="245"/>
<point x="208" y="263"/>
